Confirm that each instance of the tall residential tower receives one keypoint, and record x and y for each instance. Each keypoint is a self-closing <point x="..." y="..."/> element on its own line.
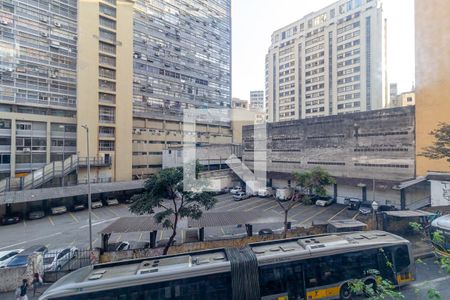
<point x="125" y="69"/>
<point x="329" y="62"/>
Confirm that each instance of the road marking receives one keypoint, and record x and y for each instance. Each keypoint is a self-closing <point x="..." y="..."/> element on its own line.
<point x="161" y="235"/>
<point x="223" y="231"/>
<point x="97" y="217"/>
<point x="51" y="220"/>
<point x="245" y="204"/>
<point x="74" y="218"/>
<point x="232" y="202"/>
<point x="271" y="207"/>
<point x="304" y="210"/>
<point x="345" y="208"/>
<point x="118" y="238"/>
<point x="113" y="212"/>
<point x="262" y="204"/>
<point x="30" y="241"/>
<point x="48" y="246"/>
<point x="140" y="237"/>
<point x="316" y="214"/>
<point x="24" y="223"/>
<point x="430" y="281"/>
<point x="95" y="241"/>
<point x="357" y="214"/>
<point x="277" y="212"/>
<point x="98" y="223"/>
<point x="72" y="243"/>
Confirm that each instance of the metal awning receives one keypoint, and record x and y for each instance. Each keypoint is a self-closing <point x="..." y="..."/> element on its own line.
<point x="409" y="183"/>
<point x="132" y="224"/>
<point x="408" y="213"/>
<point x="219" y="219"/>
<point x="68" y="191"/>
<point x="347" y="223"/>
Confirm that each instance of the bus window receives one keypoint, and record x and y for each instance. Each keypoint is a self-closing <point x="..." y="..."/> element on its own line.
<point x="281" y="279"/>
<point x="401" y="259"/>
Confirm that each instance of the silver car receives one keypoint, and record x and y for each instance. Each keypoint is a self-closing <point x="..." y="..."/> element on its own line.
<point x="55" y="260"/>
<point x="7" y="256"/>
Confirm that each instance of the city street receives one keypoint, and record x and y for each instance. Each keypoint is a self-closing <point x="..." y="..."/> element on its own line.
<point x="71" y="229"/>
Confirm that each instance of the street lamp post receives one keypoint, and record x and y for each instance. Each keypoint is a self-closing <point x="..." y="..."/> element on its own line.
<point x="89" y="186"/>
<point x="374" y="211"/>
<point x="63" y="127"/>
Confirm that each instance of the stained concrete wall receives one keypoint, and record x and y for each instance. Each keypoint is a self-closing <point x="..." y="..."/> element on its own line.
<point x="378" y="144"/>
<point x="11" y="278"/>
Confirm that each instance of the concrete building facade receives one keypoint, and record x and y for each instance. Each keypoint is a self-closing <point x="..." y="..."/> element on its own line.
<point x="257" y="100"/>
<point x="357" y="149"/>
<point x="327" y="63"/>
<point x="124" y="69"/>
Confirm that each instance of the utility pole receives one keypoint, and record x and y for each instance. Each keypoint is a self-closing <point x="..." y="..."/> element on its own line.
<point x="89" y="187"/>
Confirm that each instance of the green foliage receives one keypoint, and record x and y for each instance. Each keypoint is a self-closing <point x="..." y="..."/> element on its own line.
<point x="434" y="294"/>
<point x="314" y="181"/>
<point x="441" y="147"/>
<point x="416" y="227"/>
<point x="384" y="289"/>
<point x="164" y="194"/>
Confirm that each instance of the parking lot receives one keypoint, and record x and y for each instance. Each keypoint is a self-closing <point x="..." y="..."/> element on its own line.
<point x="71" y="229"/>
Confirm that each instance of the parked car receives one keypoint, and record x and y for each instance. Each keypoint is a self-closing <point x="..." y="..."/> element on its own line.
<point x="236" y="190"/>
<point x="78" y="206"/>
<point x="265" y="232"/>
<point x="128" y="201"/>
<point x="240" y="196"/>
<point x="365" y="208"/>
<point x="353" y="203"/>
<point x="265" y="192"/>
<point x="58" y="210"/>
<point x="12" y="218"/>
<point x="325" y="201"/>
<point x="21" y="259"/>
<point x="55" y="260"/>
<point x="283" y="194"/>
<point x="7" y="256"/>
<point x="36" y="213"/>
<point x="112" y="202"/>
<point x="386" y="208"/>
<point x="96" y="204"/>
<point x="123" y="246"/>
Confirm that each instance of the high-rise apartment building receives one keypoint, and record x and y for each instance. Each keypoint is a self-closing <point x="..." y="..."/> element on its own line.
<point x="329" y="62"/>
<point x="124" y="69"/>
<point x="257" y="100"/>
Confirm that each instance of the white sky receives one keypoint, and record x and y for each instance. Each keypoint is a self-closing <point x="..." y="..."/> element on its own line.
<point x="254" y="21"/>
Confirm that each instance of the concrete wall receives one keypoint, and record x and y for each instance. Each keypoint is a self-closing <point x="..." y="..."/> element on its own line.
<point x="377" y="144"/>
<point x="432" y="74"/>
<point x="440" y="193"/>
<point x="11" y="278"/>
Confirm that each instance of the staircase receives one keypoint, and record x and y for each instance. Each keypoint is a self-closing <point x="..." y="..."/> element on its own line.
<point x="56" y="169"/>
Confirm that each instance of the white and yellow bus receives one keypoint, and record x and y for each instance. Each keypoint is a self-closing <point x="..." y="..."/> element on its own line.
<point x="316" y="267"/>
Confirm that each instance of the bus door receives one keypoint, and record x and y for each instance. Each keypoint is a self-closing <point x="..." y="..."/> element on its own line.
<point x="282" y="281"/>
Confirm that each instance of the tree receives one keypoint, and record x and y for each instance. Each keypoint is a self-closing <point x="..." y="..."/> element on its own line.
<point x="164" y="196"/>
<point x="309" y="182"/>
<point x="441" y="147"/>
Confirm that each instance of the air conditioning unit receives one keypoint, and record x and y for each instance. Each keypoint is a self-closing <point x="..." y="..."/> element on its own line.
<point x="43" y="19"/>
<point x="53" y="76"/>
<point x="44" y="34"/>
<point x="137" y="131"/>
<point x="57" y="24"/>
<point x="26" y="149"/>
<point x="4" y="22"/>
<point x="55" y="43"/>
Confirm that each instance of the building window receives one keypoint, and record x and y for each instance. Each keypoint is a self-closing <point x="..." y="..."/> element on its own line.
<point x="107" y="114"/>
<point x="106" y="145"/>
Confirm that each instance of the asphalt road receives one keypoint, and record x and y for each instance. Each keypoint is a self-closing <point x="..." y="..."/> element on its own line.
<point x="71" y="229"/>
